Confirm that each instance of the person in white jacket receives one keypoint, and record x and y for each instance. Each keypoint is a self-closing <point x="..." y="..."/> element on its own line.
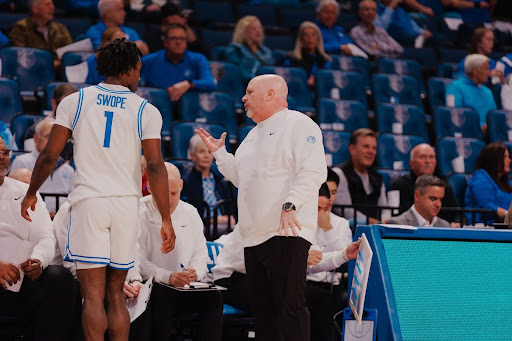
<point x="185" y="264"/>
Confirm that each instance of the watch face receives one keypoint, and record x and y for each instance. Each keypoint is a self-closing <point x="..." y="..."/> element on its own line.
<point x="288" y="206"/>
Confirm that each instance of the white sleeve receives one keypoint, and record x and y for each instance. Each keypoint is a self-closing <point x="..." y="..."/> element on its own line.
<point x="148" y="269"/>
<point x="66" y="110"/>
<point x="200" y="256"/>
<point x="41" y="233"/>
<point x="226" y="165"/>
<point x="342" y="194"/>
<point x="309" y="162"/>
<point x="383" y="198"/>
<point x="330" y="261"/>
<point x="134" y="273"/>
<point x="137" y="5"/>
<point x="151" y="122"/>
<point x="506" y="96"/>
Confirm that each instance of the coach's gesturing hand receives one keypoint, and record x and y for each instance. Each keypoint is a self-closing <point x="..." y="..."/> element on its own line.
<point x="212" y="143"/>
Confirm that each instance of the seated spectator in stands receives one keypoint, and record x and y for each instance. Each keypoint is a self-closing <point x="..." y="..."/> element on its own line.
<point x="176" y="69"/>
<point x="506" y="93"/>
<point x="62" y="179"/>
<point x="309" y="53"/>
<point x="47" y="291"/>
<point x="334" y="36"/>
<point x="423" y="162"/>
<point x="490" y="188"/>
<point x="246" y="48"/>
<point x="21" y="174"/>
<point x="173" y="13"/>
<point x="6" y="135"/>
<point x="474" y="12"/>
<point x="40" y="31"/>
<point x="186" y="263"/>
<point x="470" y="91"/>
<point x="428" y="195"/>
<point x="201" y="183"/>
<point x="372" y="39"/>
<point x="112" y="13"/>
<point x="398" y="23"/>
<point x="360" y="184"/>
<point x="108" y="36"/>
<point x="482" y="42"/>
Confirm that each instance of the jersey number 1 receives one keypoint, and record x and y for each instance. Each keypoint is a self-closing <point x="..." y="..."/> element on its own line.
<point x="108" y="128"/>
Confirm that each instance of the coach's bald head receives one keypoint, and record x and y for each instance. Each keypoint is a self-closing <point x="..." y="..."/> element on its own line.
<point x="265" y="96"/>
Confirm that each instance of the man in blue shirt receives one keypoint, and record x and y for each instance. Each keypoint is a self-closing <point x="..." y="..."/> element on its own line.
<point x="176" y="69"/>
<point x="112" y="13"/>
<point x="334" y="36"/>
<point x="470" y="91"/>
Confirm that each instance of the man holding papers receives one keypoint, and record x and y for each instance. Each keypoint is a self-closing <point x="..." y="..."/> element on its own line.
<point x="185" y="264"/>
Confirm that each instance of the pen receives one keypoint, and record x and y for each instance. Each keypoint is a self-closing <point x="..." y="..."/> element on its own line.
<point x="182" y="267"/>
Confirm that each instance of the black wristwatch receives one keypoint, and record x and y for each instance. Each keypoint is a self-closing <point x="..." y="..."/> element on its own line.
<point x="288" y="206"/>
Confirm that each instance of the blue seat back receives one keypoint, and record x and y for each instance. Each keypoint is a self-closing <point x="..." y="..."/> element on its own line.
<point x="341" y="115"/>
<point x="182" y="132"/>
<point x="293" y="17"/>
<point x="73" y="58"/>
<point x="229" y="79"/>
<point x="213" y="38"/>
<point x="451" y="55"/>
<point x="393" y="151"/>
<point x="390" y="175"/>
<point x="402" y="67"/>
<point x="209" y="12"/>
<point x="397" y="89"/>
<point x="279" y="56"/>
<point x="244" y="130"/>
<point x="401" y="119"/>
<point x="459" y="183"/>
<point x="50" y="88"/>
<point x="32" y="68"/>
<point x="10" y="100"/>
<point x="426" y="56"/>
<point x="347" y="85"/>
<point x="336" y="146"/>
<point x="446" y="70"/>
<point x="499" y="125"/>
<point x="449" y="148"/>
<point x="183" y="165"/>
<point x="436" y="91"/>
<point x="283" y="42"/>
<point x="76" y="26"/>
<point x="19" y="126"/>
<point x="160" y="99"/>
<point x="457" y="122"/>
<point x="357" y="64"/>
<point x="218" y="53"/>
<point x="266" y="14"/>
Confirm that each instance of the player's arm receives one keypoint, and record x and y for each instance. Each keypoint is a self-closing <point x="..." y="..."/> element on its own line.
<point x="158" y="181"/>
<point x="44" y="166"/>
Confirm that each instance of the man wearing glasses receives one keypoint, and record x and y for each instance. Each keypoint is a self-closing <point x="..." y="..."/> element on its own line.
<point x="176" y="69"/>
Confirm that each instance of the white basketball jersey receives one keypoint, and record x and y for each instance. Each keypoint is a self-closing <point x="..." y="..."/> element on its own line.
<point x="108" y="123"/>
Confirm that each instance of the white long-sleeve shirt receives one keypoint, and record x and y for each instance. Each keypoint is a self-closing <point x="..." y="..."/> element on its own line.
<point x="231" y="256"/>
<point x="281" y="160"/>
<point x="190" y="248"/>
<point x="39" y="231"/>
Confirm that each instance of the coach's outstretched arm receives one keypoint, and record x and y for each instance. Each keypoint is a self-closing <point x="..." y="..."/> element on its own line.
<point x="44" y="166"/>
<point x="158" y="181"/>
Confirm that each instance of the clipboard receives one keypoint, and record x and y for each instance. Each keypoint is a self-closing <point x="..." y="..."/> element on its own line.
<point x="137" y="306"/>
<point x="196" y="286"/>
<point x="360" y="278"/>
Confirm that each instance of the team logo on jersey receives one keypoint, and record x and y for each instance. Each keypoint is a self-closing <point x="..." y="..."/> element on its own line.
<point x="343" y="110"/>
<point x="401" y="114"/>
<point x="346" y="63"/>
<point x="400" y="66"/>
<point x="340" y="79"/>
<point x="25" y="58"/>
<point x="396" y="83"/>
<point x="207" y="101"/>
<point x="332" y="142"/>
<point x="311" y="139"/>
<point x="402" y="143"/>
<point x="463" y="148"/>
<point x="457" y="117"/>
<point x="284" y="73"/>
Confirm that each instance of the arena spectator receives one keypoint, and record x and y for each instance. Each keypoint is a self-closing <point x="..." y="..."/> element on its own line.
<point x="360" y="184"/>
<point x="372" y="39"/>
<point x="423" y="162"/>
<point x="489" y="187"/>
<point x="186" y="263"/>
<point x="109" y="35"/>
<point x="176" y="69"/>
<point x="334" y="36"/>
<point x="112" y="13"/>
<point x="309" y="53"/>
<point x="428" y="195"/>
<point x="473" y="12"/>
<point x="246" y="48"/>
<point x="40" y="31"/>
<point x="470" y="91"/>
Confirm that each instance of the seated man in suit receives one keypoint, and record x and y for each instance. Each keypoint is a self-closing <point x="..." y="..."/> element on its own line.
<point x="428" y="195"/>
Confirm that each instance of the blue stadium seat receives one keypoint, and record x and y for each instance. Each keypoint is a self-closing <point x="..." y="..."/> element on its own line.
<point x="426" y="56"/>
<point x="19" y="126"/>
<point x="451" y="55"/>
<point x="218" y="52"/>
<point x="32" y="68"/>
<point x="336" y="146"/>
<point x="75" y="26"/>
<point x="396" y="89"/>
<point x="459" y="183"/>
<point x="243" y="131"/>
<point x="182" y="132"/>
<point x="347" y="85"/>
<point x="283" y="42"/>
<point x="293" y="17"/>
<point x="457" y="122"/>
<point x="138" y="27"/>
<point x="341" y="115"/>
<point x="402" y="67"/>
<point x="436" y="91"/>
<point x="10" y="101"/>
<point x="279" y="56"/>
<point x="50" y="88"/>
<point x="357" y="64"/>
<point x="73" y="58"/>
<point x="296" y="79"/>
<point x="229" y="79"/>
<point x="393" y="151"/>
<point x="446" y="70"/>
<point x="390" y="175"/>
<point x="160" y="99"/>
<point x="210" y="107"/>
<point x="499" y="125"/>
<point x="183" y="165"/>
<point x="213" y="38"/>
<point x="347" y="21"/>
<point x="266" y="14"/>
<point x="9" y="19"/>
<point x="211" y="13"/>
<point x="401" y="119"/>
<point x="465" y="150"/>
<point x="83" y="7"/>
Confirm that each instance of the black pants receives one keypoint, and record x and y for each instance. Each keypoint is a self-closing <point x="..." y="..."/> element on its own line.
<point x="46" y="305"/>
<point x="168" y="304"/>
<point x="237" y="293"/>
<point x="323" y="302"/>
<point x="276" y="277"/>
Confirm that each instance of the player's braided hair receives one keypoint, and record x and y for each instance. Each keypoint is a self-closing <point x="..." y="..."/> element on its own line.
<point x="117" y="58"/>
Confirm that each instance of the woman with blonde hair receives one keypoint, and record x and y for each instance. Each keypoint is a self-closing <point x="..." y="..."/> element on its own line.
<point x="247" y="49"/>
<point x="309" y="52"/>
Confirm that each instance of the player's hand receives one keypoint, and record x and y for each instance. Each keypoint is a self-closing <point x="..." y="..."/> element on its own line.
<point x="131" y="290"/>
<point x="168" y="236"/>
<point x="28" y="201"/>
<point x="212" y="143"/>
<point x="192" y="274"/>
<point x="288" y="221"/>
<point x="352" y="249"/>
<point x="179" y="279"/>
<point x="314" y="257"/>
<point x="32" y="268"/>
<point x="177" y="90"/>
<point x="9" y="274"/>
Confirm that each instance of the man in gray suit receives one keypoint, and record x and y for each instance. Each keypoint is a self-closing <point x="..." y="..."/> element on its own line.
<point x="428" y="195"/>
